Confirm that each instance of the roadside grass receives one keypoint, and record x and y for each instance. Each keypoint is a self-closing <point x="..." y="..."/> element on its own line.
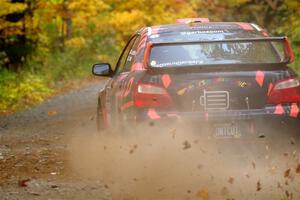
<point x="48" y="73"/>
<point x="20" y="91"/>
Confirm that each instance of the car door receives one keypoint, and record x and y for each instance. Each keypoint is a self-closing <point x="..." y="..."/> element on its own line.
<point x="117" y="83"/>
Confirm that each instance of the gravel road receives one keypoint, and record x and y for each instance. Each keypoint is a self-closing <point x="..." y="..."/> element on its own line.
<point x="54" y="152"/>
<point x="35" y="151"/>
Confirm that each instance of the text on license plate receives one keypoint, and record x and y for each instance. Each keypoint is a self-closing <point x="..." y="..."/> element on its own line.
<point x="227" y="131"/>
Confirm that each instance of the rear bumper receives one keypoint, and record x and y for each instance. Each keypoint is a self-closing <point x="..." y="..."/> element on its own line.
<point x="283" y="118"/>
<point x="291" y="111"/>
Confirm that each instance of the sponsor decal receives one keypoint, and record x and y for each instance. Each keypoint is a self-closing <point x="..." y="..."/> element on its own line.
<point x="166" y="79"/>
<point x="179" y="63"/>
<point x="242" y="84"/>
<point x="202" y="83"/>
<point x="200" y="32"/>
<point x="260" y="78"/>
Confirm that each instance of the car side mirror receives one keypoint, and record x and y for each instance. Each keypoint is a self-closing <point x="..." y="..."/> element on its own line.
<point x="102" y="69"/>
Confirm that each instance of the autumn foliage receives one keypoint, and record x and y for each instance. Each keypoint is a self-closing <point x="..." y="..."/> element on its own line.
<point x="56" y="41"/>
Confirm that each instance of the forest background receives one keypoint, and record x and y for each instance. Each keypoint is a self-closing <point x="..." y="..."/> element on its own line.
<point x="47" y="46"/>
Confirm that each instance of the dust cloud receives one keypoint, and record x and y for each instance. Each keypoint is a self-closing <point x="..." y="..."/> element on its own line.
<point x="185" y="163"/>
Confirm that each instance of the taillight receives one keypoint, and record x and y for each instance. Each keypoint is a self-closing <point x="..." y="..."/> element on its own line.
<point x="287" y="91"/>
<point x="148" y="95"/>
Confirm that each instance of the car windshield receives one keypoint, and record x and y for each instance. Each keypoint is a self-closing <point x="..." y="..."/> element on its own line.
<point x="223" y="52"/>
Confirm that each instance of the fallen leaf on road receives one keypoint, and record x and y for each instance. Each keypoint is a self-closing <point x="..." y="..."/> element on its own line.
<point x="52" y="112"/>
<point x="253" y="165"/>
<point x="258" y="186"/>
<point x="186" y="145"/>
<point x="203" y="194"/>
<point x="173" y="132"/>
<point x="231" y="180"/>
<point x="133" y="149"/>
<point x="298" y="169"/>
<point x="287" y="173"/>
<point x="23" y="183"/>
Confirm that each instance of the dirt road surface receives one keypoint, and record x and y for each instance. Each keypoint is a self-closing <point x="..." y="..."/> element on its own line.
<point x="54" y="152"/>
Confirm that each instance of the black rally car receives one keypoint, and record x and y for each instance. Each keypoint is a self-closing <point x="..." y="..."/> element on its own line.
<point x="232" y="76"/>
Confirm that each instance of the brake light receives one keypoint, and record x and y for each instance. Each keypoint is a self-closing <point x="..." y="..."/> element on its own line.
<point x="287" y="91"/>
<point x="148" y="95"/>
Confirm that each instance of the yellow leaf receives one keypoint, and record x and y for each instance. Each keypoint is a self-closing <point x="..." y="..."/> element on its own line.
<point x="203" y="194"/>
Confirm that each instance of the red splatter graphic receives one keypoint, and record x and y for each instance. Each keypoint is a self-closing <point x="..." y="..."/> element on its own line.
<point x="166" y="80"/>
<point x="260" y="78"/>
<point x="279" y="110"/>
<point x="294" y="110"/>
<point x="270" y="88"/>
<point x="245" y="26"/>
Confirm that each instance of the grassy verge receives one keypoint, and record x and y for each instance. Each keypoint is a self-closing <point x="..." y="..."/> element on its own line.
<point x="48" y="73"/>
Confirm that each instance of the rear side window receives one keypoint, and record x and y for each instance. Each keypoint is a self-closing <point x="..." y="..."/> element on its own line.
<point x="123" y="60"/>
<point x="254" y="52"/>
<point x="132" y="54"/>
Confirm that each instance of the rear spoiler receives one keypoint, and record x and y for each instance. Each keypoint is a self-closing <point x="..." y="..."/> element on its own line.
<point x="287" y="45"/>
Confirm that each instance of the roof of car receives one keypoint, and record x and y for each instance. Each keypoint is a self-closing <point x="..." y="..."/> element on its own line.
<point x="178" y="27"/>
<point x="211" y="29"/>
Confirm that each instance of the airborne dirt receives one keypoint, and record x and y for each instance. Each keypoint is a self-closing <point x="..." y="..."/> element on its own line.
<point x="54" y="152"/>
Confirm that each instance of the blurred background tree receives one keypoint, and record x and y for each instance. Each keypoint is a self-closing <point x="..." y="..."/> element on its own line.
<point x="46" y="45"/>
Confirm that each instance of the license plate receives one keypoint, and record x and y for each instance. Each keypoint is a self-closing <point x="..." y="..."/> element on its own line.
<point x="227" y="131"/>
